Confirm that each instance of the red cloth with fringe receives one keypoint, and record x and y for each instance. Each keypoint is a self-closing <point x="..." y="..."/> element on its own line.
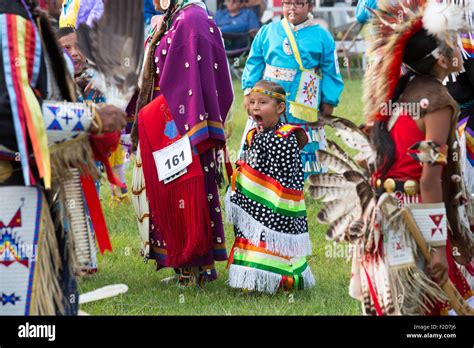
<point x="180" y="207"/>
<point x="102" y="146"/>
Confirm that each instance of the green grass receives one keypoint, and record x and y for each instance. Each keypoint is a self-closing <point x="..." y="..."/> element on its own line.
<point x="147" y="295"/>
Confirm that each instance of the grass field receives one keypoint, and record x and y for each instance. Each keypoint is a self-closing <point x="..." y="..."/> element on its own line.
<point x="147" y="295"/>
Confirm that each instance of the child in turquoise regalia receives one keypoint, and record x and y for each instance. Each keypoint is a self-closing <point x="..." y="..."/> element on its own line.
<point x="300" y="55"/>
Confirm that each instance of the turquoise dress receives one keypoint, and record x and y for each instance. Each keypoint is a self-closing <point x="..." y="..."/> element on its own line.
<point x="272" y="58"/>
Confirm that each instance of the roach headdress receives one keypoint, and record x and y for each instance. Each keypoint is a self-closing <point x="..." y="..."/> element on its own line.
<point x="393" y="25"/>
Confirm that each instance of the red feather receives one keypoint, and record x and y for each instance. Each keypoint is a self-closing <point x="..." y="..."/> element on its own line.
<point x="397" y="60"/>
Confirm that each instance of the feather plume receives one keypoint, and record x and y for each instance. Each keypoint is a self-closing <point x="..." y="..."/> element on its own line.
<point x="328" y="180"/>
<point x="332" y="162"/>
<point x="348" y="198"/>
<point x="335" y="210"/>
<point x="339" y="152"/>
<point x="114" y="49"/>
<point x="441" y="18"/>
<point x="337" y="229"/>
<point x="352" y="136"/>
<point x="366" y="194"/>
<point x="353" y="176"/>
<point x="349" y="133"/>
<point x="330" y="193"/>
<point x="356" y="230"/>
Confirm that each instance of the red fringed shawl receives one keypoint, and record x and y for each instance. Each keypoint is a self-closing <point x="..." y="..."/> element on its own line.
<point x="180" y="207"/>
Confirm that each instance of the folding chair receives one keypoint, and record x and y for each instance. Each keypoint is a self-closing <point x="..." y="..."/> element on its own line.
<point x="237" y="56"/>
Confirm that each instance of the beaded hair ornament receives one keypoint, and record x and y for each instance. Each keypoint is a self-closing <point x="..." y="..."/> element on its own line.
<point x="272" y="94"/>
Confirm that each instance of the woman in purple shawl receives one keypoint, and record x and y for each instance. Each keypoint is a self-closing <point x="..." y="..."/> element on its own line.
<point x="186" y="93"/>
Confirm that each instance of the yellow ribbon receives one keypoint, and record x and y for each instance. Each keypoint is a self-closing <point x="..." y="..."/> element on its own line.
<point x="69" y="19"/>
<point x="294" y="46"/>
<point x="32" y="109"/>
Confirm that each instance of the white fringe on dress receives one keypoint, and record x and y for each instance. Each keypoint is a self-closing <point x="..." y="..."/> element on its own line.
<point x="243" y="277"/>
<point x="289" y="245"/>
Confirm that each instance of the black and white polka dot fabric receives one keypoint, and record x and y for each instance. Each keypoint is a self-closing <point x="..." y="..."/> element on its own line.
<point x="279" y="158"/>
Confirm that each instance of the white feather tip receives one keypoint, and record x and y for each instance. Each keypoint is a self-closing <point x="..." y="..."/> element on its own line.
<point x="441" y="18"/>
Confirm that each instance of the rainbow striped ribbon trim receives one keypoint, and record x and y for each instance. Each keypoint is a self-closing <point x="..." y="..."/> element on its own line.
<point x="21" y="52"/>
<point x="248" y="255"/>
<point x="468" y="45"/>
<point x="470" y="145"/>
<point x="269" y="192"/>
<point x="204" y="130"/>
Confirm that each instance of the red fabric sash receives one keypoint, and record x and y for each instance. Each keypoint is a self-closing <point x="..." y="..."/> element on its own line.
<point x="102" y="146"/>
<point x="373" y="294"/>
<point x="95" y="210"/>
<point x="180" y="207"/>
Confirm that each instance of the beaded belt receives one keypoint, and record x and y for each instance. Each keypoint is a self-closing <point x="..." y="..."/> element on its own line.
<point x="282" y="74"/>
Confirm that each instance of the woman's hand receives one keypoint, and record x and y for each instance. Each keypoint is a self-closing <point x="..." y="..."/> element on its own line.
<point x="326" y="109"/>
<point x="438" y="267"/>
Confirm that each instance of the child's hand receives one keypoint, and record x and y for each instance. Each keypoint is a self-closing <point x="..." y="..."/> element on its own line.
<point x="260" y="129"/>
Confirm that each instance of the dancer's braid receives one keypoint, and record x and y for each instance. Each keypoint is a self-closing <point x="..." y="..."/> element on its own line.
<point x="146" y="90"/>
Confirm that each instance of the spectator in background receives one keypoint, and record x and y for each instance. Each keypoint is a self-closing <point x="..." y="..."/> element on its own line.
<point x="53" y="9"/>
<point x="236" y="19"/>
<point x="257" y="6"/>
<point x="149" y="12"/>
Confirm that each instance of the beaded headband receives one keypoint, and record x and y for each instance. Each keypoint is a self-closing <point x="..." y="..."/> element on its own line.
<point x="272" y="94"/>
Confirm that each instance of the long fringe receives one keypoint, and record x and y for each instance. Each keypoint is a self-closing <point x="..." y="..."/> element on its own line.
<point x="252" y="279"/>
<point x="285" y="244"/>
<point x="47" y="292"/>
<point x="80" y="246"/>
<point x="247" y="278"/>
<point x="76" y="153"/>
<point x="308" y="278"/>
<point x="62" y="218"/>
<point x="140" y="204"/>
<point x="382" y="282"/>
<point x="467" y="275"/>
<point x="413" y="291"/>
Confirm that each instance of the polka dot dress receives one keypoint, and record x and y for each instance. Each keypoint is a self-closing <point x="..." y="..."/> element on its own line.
<point x="280" y="159"/>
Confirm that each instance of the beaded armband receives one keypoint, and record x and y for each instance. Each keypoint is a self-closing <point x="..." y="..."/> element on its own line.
<point x="429" y="152"/>
<point x="432" y="221"/>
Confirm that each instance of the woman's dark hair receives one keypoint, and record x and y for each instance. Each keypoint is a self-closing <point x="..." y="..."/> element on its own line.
<point x="419" y="61"/>
<point x="65" y="31"/>
<point x="146" y="90"/>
